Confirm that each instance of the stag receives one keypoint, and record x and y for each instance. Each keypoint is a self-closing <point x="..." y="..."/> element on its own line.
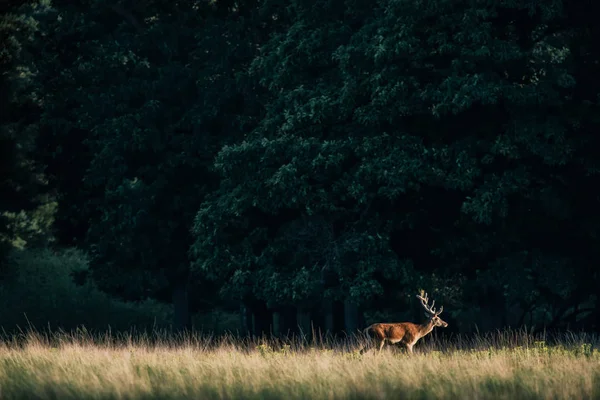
<point x="405" y="334"/>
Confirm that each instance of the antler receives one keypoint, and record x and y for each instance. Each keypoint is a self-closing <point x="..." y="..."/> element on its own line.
<point x="429" y="309"/>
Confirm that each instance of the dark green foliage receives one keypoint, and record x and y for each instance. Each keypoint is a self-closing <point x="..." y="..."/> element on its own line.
<point x="347" y="151"/>
<point x="414" y="139"/>
<point x="20" y="183"/>
<point x="135" y="118"/>
<point x="40" y="292"/>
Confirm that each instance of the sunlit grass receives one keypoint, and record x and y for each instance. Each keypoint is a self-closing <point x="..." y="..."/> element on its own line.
<point x="507" y="365"/>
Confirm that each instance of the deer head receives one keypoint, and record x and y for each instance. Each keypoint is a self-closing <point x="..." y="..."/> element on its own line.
<point x="430" y="311"/>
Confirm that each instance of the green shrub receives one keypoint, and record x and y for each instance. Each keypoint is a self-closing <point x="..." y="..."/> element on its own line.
<point x="37" y="289"/>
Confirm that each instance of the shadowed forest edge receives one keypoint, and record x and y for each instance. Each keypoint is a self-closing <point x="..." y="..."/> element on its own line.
<point x="288" y="167"/>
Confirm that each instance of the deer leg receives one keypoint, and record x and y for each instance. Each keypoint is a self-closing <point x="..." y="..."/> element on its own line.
<point x="381" y="344"/>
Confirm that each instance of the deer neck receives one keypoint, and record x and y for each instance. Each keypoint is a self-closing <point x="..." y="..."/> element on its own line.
<point x="426" y="328"/>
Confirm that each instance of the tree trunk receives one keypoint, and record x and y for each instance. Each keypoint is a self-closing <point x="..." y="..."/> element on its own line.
<point x="181" y="314"/>
<point x="288" y="323"/>
<point x="329" y="321"/>
<point x="262" y="319"/>
<point x="245" y="319"/>
<point x="361" y="319"/>
<point x="350" y="317"/>
<point x="492" y="313"/>
<point x="303" y="319"/>
<point x="339" y="319"/>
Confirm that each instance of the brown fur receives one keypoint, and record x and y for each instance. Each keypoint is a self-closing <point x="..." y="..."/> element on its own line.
<point x="404" y="334"/>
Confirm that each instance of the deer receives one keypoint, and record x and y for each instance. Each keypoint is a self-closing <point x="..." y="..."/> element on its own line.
<point x="405" y="334"/>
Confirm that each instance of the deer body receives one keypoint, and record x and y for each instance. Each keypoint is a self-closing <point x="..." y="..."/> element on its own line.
<point x="405" y="334"/>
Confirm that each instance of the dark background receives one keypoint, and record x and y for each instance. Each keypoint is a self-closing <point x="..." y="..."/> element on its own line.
<point x="276" y="166"/>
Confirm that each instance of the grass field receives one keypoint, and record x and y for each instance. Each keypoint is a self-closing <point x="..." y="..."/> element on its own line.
<point x="509" y="365"/>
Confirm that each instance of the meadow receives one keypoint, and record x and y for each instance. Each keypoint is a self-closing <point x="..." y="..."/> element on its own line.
<point x="505" y="365"/>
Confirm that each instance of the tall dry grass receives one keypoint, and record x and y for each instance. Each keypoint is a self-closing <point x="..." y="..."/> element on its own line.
<point x="506" y="365"/>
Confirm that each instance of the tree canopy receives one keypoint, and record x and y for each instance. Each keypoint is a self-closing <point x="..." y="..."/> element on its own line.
<point x="405" y="139"/>
<point x="302" y="154"/>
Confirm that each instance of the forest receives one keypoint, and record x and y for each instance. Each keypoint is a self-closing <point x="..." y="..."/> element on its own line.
<point x="270" y="167"/>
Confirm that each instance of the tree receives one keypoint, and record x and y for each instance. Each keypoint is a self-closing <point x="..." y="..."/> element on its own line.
<point x="141" y="107"/>
<point x="413" y="142"/>
<point x="21" y="185"/>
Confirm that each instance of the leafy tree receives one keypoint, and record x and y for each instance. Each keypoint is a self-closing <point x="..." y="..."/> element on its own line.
<point x="142" y="106"/>
<point x="406" y="140"/>
<point x="342" y="150"/>
<point x="21" y="186"/>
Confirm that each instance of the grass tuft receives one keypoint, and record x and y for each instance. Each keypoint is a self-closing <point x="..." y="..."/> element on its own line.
<point x="504" y="365"/>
